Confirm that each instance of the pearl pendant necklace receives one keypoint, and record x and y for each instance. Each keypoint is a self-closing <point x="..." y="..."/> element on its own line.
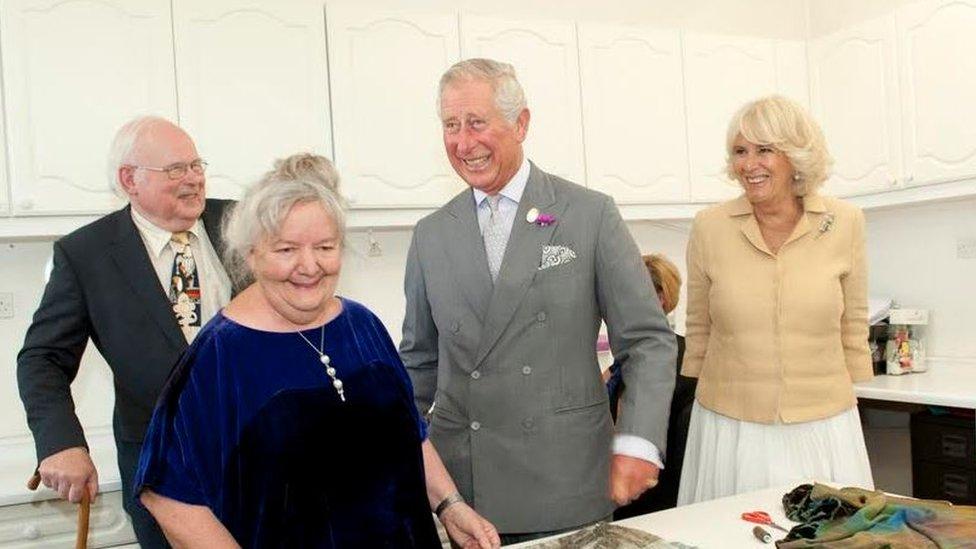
<point x="326" y="361"/>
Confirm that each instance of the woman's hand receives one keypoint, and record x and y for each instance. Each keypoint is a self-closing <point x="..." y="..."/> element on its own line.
<point x="467" y="529"/>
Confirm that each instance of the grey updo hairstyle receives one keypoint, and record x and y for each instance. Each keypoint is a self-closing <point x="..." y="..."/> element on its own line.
<point x="259" y="215"/>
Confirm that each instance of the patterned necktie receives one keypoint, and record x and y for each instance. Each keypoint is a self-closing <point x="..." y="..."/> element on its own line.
<point x="184" y="289"/>
<point x="495" y="237"/>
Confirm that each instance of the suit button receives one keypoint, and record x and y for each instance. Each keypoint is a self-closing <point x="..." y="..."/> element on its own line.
<point x="541" y="317"/>
<point x="528" y="423"/>
<point x="526" y="370"/>
<point x="476" y="375"/>
<point x="475" y="426"/>
<point x="455" y="326"/>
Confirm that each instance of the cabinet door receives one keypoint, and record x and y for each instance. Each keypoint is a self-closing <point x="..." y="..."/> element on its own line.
<point x="546" y="61"/>
<point x="721" y="74"/>
<point x="4" y="188"/>
<point x="74" y="72"/>
<point x="633" y="113"/>
<point x="792" y="78"/>
<point x="253" y="84"/>
<point x="854" y="96"/>
<point x="385" y="66"/>
<point x="937" y="40"/>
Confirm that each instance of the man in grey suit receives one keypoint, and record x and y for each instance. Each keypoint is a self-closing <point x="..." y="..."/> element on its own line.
<point x="506" y="286"/>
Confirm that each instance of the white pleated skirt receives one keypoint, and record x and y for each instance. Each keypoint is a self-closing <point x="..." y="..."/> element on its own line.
<point x="726" y="456"/>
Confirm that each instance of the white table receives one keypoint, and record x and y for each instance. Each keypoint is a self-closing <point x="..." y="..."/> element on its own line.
<point x="715" y="523"/>
<point x="946" y="383"/>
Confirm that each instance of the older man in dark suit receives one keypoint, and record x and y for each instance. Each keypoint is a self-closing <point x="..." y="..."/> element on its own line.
<point x="139" y="283"/>
<point x="506" y="286"/>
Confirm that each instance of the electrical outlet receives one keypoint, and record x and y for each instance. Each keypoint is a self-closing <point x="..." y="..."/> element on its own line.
<point x="966" y="248"/>
<point x="6" y="305"/>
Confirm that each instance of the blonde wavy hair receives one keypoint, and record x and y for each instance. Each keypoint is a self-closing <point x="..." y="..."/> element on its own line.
<point x="788" y="127"/>
<point x="666" y="279"/>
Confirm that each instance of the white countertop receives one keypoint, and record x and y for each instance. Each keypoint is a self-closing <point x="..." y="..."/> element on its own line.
<point x="946" y="383"/>
<point x="715" y="523"/>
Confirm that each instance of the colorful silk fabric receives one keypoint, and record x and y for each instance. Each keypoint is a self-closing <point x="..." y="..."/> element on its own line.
<point x="853" y="518"/>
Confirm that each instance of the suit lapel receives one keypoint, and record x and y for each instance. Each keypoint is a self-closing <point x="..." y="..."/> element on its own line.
<point x="213" y="218"/>
<point x="468" y="254"/>
<point x="130" y="256"/>
<point x="521" y="261"/>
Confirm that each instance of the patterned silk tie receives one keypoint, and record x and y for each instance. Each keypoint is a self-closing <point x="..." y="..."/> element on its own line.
<point x="184" y="290"/>
<point x="495" y="237"/>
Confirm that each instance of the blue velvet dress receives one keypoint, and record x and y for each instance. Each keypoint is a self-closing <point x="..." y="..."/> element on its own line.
<point x="250" y="426"/>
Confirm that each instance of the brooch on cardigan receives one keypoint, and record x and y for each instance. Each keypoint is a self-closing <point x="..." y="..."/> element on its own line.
<point x="826" y="223"/>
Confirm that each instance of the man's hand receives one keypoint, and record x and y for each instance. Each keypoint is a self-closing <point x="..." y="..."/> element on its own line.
<point x="467" y="529"/>
<point x="630" y="477"/>
<point x="70" y="473"/>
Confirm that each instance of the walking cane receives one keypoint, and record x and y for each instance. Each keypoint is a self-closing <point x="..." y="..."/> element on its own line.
<point x="84" y="509"/>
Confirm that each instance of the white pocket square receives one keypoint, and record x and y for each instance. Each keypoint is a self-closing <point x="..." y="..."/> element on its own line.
<point x="554" y="256"/>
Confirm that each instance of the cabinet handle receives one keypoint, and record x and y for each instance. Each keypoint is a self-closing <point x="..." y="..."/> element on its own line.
<point x="954" y="446"/>
<point x="956" y="486"/>
<point x="909" y="178"/>
<point x="26" y="204"/>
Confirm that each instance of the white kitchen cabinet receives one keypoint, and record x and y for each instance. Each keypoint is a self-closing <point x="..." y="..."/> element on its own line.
<point x="633" y="113"/>
<point x="52" y="523"/>
<point x="546" y="61"/>
<point x="937" y="42"/>
<point x="252" y="85"/>
<point x="385" y="66"/>
<point x="854" y="95"/>
<point x="792" y="71"/>
<point x="73" y="72"/>
<point x="4" y="187"/>
<point x="721" y="74"/>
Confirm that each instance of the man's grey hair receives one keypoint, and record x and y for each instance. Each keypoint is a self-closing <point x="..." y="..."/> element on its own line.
<point x="509" y="95"/>
<point x="124" y="146"/>
<point x="262" y="211"/>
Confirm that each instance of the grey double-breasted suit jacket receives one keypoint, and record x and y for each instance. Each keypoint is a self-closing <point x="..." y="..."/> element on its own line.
<point x="521" y="417"/>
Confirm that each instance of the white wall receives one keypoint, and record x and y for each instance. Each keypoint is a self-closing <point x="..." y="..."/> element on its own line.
<point x="912" y="258"/>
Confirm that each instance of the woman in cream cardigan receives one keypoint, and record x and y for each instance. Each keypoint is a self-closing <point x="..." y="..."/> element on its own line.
<point x="777" y="318"/>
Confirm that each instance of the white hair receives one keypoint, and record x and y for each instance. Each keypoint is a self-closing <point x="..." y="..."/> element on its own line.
<point x="787" y="126"/>
<point x="260" y="214"/>
<point x="509" y="95"/>
<point x="124" y="145"/>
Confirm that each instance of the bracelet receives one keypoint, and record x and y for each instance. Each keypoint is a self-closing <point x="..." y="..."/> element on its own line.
<point x="447" y="502"/>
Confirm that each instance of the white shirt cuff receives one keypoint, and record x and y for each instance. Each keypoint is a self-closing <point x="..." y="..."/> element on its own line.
<point x="637" y="447"/>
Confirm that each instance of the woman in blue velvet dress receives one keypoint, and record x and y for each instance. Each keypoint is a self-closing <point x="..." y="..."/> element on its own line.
<point x="290" y="420"/>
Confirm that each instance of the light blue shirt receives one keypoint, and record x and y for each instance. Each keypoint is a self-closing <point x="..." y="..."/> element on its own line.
<point x="511" y="195"/>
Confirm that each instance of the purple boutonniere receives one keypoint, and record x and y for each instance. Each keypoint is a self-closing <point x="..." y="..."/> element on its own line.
<point x="538" y="218"/>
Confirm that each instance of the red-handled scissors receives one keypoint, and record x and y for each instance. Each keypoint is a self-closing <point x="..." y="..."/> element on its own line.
<point x="762" y="517"/>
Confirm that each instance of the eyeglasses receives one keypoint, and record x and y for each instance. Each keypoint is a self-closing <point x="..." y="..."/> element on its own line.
<point x="178" y="171"/>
